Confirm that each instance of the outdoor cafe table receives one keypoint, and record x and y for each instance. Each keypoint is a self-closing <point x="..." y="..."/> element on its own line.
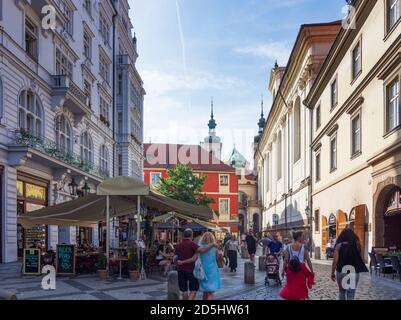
<point x="119" y="259"/>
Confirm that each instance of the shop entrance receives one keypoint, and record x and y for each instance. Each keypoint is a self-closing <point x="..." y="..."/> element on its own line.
<point x="332" y="228"/>
<point x="392" y="220"/>
<point x="31" y="196"/>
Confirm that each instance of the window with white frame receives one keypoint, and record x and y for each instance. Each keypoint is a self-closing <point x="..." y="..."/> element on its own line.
<point x="276" y="219"/>
<point x="31" y="39"/>
<point x="155" y="178"/>
<point x="393" y="13"/>
<point x="279" y="156"/>
<point x="104" y="28"/>
<point x="87" y="45"/>
<point x="68" y="14"/>
<point x="224" y="207"/>
<point x="104" y="67"/>
<point x="356" y="135"/>
<point x="88" y="90"/>
<point x="30" y="113"/>
<point x="104" y="159"/>
<point x="104" y="110"/>
<point x="333" y="153"/>
<point x="267" y="173"/>
<point x="393" y="113"/>
<point x="297" y="130"/>
<point x="334" y="94"/>
<point x="86" y="148"/>
<point x="224" y="180"/>
<point x="63" y="134"/>
<point x="120" y="164"/>
<point x="63" y="65"/>
<point x="318" y="166"/>
<point x="318" y="117"/>
<point x="120" y="122"/>
<point x="356" y="60"/>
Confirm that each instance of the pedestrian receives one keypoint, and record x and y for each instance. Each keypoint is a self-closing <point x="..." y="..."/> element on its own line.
<point x="328" y="250"/>
<point x="297" y="248"/>
<point x="211" y="283"/>
<point x="276" y="246"/>
<point x="299" y="280"/>
<point x="347" y="262"/>
<point x="187" y="252"/>
<point x="251" y="242"/>
<point x="265" y="243"/>
<point x="232" y="249"/>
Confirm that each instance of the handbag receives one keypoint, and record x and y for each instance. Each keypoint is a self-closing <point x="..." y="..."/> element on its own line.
<point x="220" y="260"/>
<point x="199" y="272"/>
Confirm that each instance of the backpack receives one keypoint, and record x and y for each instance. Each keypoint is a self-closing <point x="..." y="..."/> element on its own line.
<point x="199" y="272"/>
<point x="295" y="264"/>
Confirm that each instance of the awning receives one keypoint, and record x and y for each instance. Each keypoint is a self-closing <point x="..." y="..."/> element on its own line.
<point x="119" y="186"/>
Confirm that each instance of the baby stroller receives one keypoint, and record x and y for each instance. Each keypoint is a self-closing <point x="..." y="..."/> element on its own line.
<point x="272" y="266"/>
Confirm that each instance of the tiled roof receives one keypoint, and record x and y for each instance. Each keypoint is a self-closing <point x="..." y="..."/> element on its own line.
<point x="161" y="155"/>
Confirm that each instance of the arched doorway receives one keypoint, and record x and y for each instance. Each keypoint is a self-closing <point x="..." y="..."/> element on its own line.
<point x="256" y="225"/>
<point x="392" y="219"/>
<point x="241" y="223"/>
<point x="357" y="222"/>
<point x="332" y="227"/>
<point x="325" y="233"/>
<point x="341" y="222"/>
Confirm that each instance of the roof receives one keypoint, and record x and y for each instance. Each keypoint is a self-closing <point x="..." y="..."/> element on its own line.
<point x="237" y="160"/>
<point x="194" y="156"/>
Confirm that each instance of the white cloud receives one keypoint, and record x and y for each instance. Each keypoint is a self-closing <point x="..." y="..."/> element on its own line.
<point x="274" y="50"/>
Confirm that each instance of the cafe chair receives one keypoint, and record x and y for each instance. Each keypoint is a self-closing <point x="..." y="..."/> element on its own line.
<point x="384" y="267"/>
<point x="396" y="267"/>
<point x="374" y="265"/>
<point x="152" y="263"/>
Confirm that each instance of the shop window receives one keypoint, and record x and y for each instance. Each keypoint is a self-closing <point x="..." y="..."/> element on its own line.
<point x="35" y="192"/>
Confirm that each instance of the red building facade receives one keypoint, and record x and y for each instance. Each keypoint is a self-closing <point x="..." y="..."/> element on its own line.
<point x="221" y="183"/>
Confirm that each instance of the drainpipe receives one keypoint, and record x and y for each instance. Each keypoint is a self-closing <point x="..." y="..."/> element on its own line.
<point x="114" y="86"/>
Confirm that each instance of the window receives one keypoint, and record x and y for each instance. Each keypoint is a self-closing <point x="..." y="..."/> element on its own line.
<point x="30" y="113"/>
<point x="334" y="94"/>
<point x="356" y="61"/>
<point x="318" y="166"/>
<point x="276" y="219"/>
<point x="393" y="105"/>
<point x="317" y="220"/>
<point x="223" y="180"/>
<point x="63" y="134"/>
<point x="87" y="46"/>
<point x="267" y="173"/>
<point x="318" y="117"/>
<point x="87" y="6"/>
<point x="120" y="164"/>
<point x="86" y="148"/>
<point x="333" y="154"/>
<point x="69" y="27"/>
<point x="63" y="65"/>
<point x="88" y="91"/>
<point x="104" y="159"/>
<point x="1" y="95"/>
<point x="104" y="67"/>
<point x="393" y="13"/>
<point x="297" y="130"/>
<point x="120" y="122"/>
<point x="243" y="198"/>
<point x="31" y="39"/>
<point x="120" y="84"/>
<point x="224" y="207"/>
<point x="155" y="178"/>
<point x="104" y="111"/>
<point x="356" y="135"/>
<point x="104" y="28"/>
<point x="279" y="156"/>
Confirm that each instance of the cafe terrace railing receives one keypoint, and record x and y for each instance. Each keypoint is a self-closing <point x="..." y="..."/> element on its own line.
<point x="49" y="147"/>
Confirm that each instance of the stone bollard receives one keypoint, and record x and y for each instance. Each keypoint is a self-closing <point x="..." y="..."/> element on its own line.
<point x="7" y="295"/>
<point x="249" y="273"/>
<point x="173" y="291"/>
<point x="262" y="263"/>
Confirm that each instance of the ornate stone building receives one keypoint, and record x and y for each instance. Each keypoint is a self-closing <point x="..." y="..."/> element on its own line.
<point x="71" y="103"/>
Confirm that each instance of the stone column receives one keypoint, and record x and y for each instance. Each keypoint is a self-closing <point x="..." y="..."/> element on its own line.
<point x="261" y="263"/>
<point x="249" y="273"/>
<point x="173" y="291"/>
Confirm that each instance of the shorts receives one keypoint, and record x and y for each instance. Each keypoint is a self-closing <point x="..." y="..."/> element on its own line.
<point x="187" y="281"/>
<point x="251" y="250"/>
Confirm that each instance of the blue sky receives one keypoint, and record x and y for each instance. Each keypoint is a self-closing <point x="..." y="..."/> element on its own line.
<point x="192" y="50"/>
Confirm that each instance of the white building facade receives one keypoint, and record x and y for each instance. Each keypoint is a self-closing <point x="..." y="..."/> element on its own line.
<point x="60" y="98"/>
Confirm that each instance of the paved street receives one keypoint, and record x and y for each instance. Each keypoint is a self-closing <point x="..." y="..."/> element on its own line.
<point x="89" y="287"/>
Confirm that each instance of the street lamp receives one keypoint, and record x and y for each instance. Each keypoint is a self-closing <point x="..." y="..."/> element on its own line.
<point x="73" y="187"/>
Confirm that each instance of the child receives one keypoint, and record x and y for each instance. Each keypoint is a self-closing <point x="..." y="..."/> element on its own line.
<point x="299" y="279"/>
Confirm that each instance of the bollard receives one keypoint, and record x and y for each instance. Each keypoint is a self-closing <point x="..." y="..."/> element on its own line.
<point x="262" y="263"/>
<point x="7" y="295"/>
<point x="173" y="291"/>
<point x="249" y="273"/>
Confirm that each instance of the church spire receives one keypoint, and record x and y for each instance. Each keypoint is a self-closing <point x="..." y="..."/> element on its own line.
<point x="261" y="122"/>
<point x="212" y="123"/>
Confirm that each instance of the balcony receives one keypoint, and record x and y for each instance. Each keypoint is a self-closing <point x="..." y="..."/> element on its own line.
<point x="123" y="59"/>
<point x="46" y="151"/>
<point x="66" y="93"/>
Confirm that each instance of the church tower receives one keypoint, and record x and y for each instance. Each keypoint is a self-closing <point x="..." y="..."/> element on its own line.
<point x="212" y="142"/>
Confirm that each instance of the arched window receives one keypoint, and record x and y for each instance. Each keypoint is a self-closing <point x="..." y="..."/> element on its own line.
<point x="243" y="198"/>
<point x="394" y="203"/>
<point x="297" y="130"/>
<point x="104" y="159"/>
<point x="279" y="156"/>
<point x="63" y="134"/>
<point x="276" y="219"/>
<point x="86" y="148"/>
<point x="30" y="113"/>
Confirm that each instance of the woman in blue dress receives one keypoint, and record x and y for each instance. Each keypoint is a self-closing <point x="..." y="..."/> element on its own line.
<point x="209" y="262"/>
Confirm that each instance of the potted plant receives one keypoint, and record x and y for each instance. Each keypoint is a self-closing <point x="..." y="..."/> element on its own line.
<point x="133" y="264"/>
<point x="101" y="266"/>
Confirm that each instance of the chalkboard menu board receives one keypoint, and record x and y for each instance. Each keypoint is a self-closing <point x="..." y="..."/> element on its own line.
<point x="65" y="260"/>
<point x="31" y="262"/>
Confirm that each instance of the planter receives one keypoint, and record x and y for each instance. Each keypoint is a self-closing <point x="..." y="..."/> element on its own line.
<point x="134" y="275"/>
<point x="102" y="274"/>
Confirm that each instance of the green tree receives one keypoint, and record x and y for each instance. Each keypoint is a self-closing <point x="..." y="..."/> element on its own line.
<point x="182" y="184"/>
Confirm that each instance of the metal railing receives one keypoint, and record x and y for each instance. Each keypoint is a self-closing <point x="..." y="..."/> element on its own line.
<point x="64" y="82"/>
<point x="50" y="148"/>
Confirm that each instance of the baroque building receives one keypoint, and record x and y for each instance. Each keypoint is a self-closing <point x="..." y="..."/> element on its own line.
<point x="71" y="106"/>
